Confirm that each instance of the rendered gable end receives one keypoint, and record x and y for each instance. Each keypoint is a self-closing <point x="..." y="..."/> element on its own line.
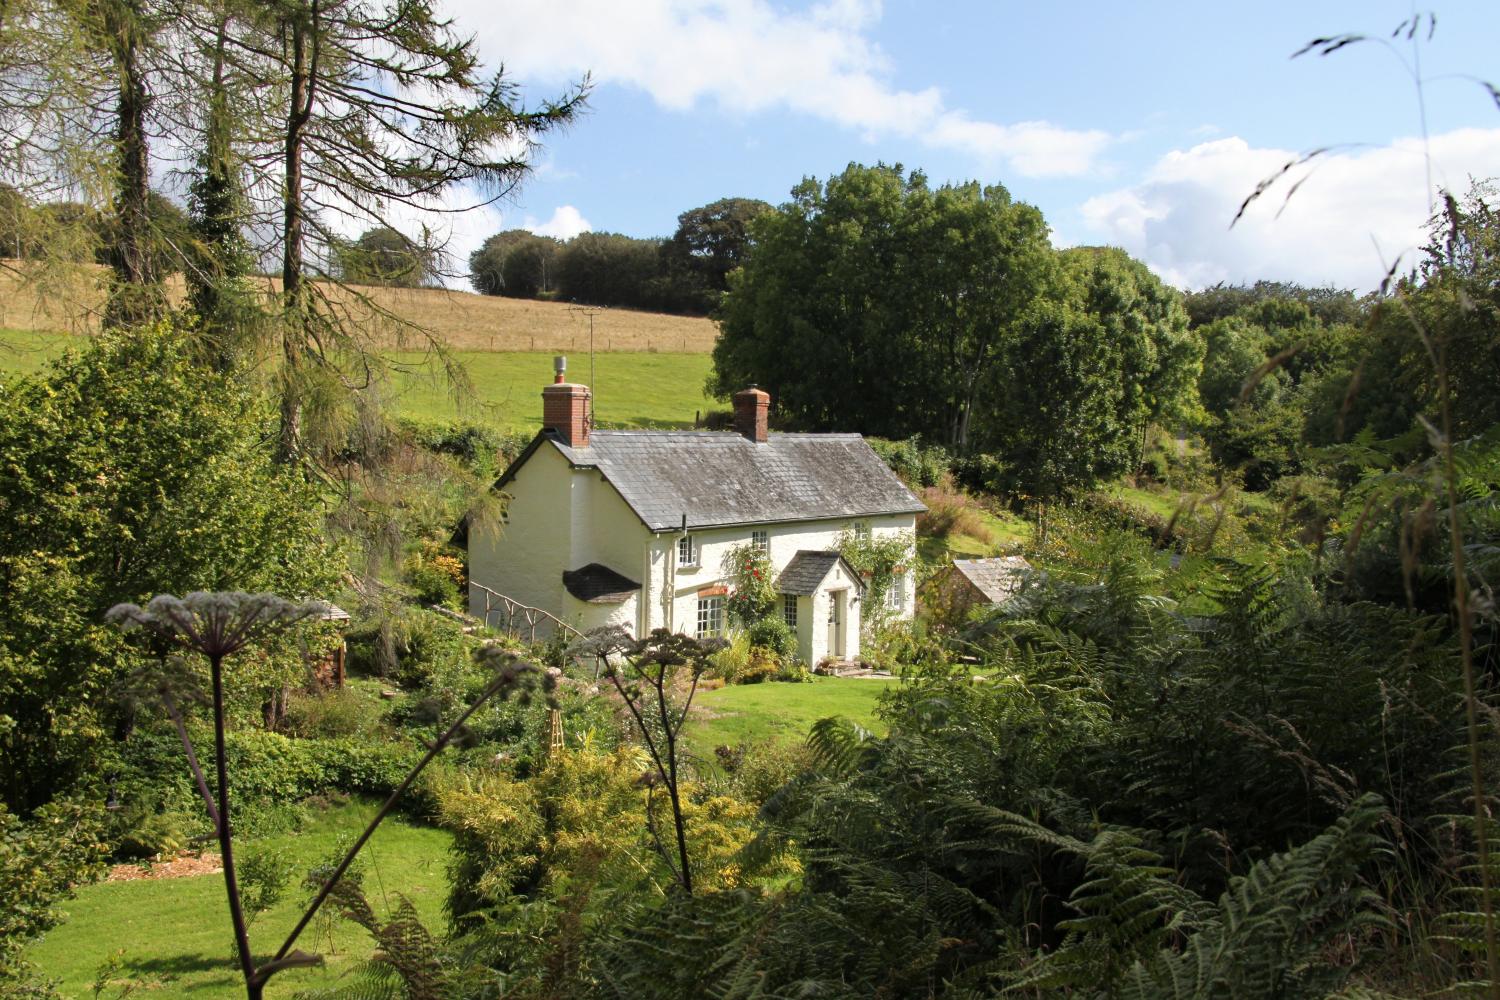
<point x="558" y="518"/>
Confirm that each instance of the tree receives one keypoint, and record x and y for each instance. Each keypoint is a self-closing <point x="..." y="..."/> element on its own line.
<point x="517" y="263"/>
<point x="609" y="269"/>
<point x="126" y="470"/>
<point x="384" y="110"/>
<point x="876" y="279"/>
<point x="1104" y="353"/>
<point x="710" y="242"/>
<point x="383" y="256"/>
<point x="1160" y="359"/>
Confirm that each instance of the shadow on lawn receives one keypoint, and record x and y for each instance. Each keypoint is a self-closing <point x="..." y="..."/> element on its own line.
<point x="180" y="965"/>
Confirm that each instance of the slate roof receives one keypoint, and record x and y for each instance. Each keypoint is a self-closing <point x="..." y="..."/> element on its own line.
<point x="807" y="571"/>
<point x="998" y="579"/>
<point x="598" y="584"/>
<point x="721" y="479"/>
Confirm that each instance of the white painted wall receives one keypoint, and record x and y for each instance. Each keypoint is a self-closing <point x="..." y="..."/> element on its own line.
<point x="785" y="540"/>
<point x="559" y="518"/>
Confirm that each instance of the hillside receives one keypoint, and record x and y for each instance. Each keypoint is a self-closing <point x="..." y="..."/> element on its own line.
<point x="464" y="320"/>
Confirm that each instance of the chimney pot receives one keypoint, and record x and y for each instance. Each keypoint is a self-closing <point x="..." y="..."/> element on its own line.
<point x="751" y="407"/>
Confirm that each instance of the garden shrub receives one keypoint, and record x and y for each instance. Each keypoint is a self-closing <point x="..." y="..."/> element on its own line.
<point x="774" y="634"/>
<point x="330" y="714"/>
<point x="984" y="473"/>
<point x="756" y="771"/>
<point x="436" y="573"/>
<point x="763" y="665"/>
<point x="731" y="661"/>
<point x="41" y="861"/>
<point x="917" y="465"/>
<point x="409" y="645"/>
<point x="793" y="671"/>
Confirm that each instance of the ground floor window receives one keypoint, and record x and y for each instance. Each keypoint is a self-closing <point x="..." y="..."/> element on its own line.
<point x="710" y="616"/>
<point x="789" y="609"/>
<point x="895" y="597"/>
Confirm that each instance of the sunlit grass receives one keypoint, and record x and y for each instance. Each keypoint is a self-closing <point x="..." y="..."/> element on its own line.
<point x="174" y="938"/>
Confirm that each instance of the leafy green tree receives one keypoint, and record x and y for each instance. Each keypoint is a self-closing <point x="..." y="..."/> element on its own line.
<point x="517" y="263"/>
<point x="126" y="470"/>
<point x="875" y="279"/>
<point x="41" y="861"/>
<point x="609" y="269"/>
<point x="710" y="241"/>
<point x="1100" y="357"/>
<point x="383" y="256"/>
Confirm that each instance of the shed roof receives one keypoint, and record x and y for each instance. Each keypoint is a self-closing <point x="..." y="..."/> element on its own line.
<point x="807" y="571"/>
<point x="598" y="584"/>
<point x="997" y="579"/>
<point x="719" y="479"/>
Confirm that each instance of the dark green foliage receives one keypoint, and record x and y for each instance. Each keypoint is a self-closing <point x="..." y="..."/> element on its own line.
<point x="410" y="645"/>
<point x="773" y="633"/>
<point x="919" y="465"/>
<point x="710" y="242"/>
<point x="516" y="263"/>
<point x="960" y="324"/>
<point x="272" y="766"/>
<point x="1328" y="305"/>
<point x="608" y="269"/>
<point x="876" y="279"/>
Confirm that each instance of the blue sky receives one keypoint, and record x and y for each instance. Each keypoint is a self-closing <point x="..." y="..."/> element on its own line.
<point x="1137" y="124"/>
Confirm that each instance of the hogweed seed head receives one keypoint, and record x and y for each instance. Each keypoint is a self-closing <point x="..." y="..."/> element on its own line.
<point x="215" y="623"/>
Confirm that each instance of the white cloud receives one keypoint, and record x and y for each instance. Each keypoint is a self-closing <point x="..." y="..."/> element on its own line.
<point x="1353" y="213"/>
<point x="566" y="223"/>
<point x="749" y="57"/>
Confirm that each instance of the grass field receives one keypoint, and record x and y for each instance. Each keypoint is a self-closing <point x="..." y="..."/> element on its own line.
<point x="630" y="390"/>
<point x="174" y="938"/>
<point x="464" y="320"/>
<point x="740" y="713"/>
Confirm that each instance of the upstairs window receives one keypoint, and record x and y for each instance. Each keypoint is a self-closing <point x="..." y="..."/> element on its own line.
<point x="789" y="609"/>
<point x="862" y="530"/>
<point x="687" y="551"/>
<point x="761" y="540"/>
<point x="710" y="617"/>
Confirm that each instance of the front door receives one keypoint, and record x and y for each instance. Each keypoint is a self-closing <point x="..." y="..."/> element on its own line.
<point x="836" y="612"/>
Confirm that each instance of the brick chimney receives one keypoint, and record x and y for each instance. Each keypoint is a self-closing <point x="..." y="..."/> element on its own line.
<point x="565" y="408"/>
<point x="750" y="407"/>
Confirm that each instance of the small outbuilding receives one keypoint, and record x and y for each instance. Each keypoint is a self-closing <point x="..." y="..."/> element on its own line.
<point x="974" y="583"/>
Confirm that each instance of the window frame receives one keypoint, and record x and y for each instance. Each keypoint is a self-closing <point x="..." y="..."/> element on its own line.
<point x="789" y="610"/>
<point x="710" y="621"/>
<point x="760" y="540"/>
<point x="895" y="595"/>
<point x="687" y="545"/>
<point x="862" y="531"/>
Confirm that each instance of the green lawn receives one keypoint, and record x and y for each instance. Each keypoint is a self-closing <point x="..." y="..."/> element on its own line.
<point x="740" y="713"/>
<point x="643" y="389"/>
<point x="175" y="934"/>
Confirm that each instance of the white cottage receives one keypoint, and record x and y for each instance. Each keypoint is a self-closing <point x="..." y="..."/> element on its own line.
<point x="631" y="527"/>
